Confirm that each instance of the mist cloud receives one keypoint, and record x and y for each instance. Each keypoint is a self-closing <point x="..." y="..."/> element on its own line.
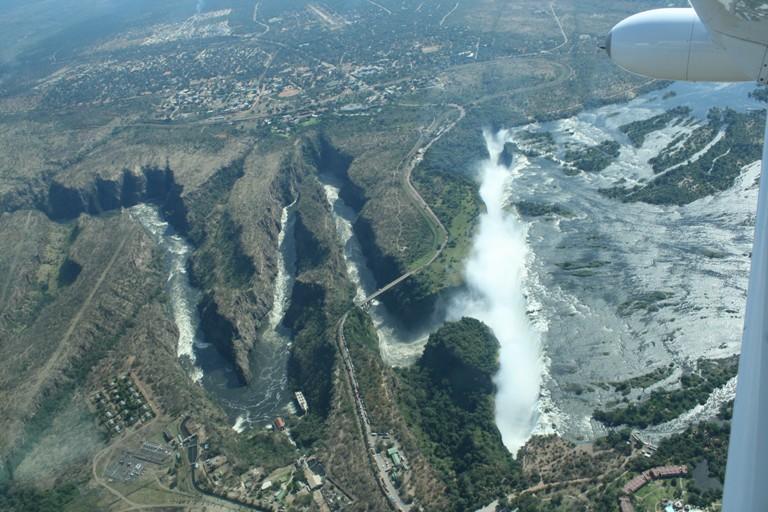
<point x="495" y="275"/>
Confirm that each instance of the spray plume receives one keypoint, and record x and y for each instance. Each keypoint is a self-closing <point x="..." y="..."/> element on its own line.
<point x="495" y="275"/>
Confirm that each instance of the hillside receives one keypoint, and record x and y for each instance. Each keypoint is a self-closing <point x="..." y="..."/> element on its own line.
<point x="448" y="397"/>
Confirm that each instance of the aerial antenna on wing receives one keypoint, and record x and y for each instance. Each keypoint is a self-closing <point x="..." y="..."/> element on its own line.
<point x="719" y="41"/>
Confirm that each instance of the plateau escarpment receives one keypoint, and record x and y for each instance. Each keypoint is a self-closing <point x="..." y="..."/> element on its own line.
<point x="54" y="334"/>
<point x="225" y="197"/>
<point x="81" y="302"/>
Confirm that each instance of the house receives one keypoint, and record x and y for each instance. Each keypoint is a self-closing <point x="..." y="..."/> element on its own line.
<point x="625" y="505"/>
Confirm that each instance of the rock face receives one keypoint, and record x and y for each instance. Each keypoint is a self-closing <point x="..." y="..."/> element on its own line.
<point x="55" y="331"/>
<point x="226" y="199"/>
<point x="321" y="291"/>
<point x="62" y="201"/>
<point x="390" y="228"/>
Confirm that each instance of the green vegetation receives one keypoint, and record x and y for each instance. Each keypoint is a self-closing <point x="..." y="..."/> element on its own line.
<point x="705" y="443"/>
<point x="649" y="302"/>
<point x="619" y="440"/>
<point x="649" y="497"/>
<point x="637" y="131"/>
<point x="448" y="398"/>
<point x="19" y="498"/>
<point x="362" y="341"/>
<point x="684" y="147"/>
<point x="320" y="294"/>
<point x="68" y="272"/>
<point x="270" y="450"/>
<point x="535" y="209"/>
<point x="760" y="94"/>
<point x="643" y="381"/>
<point x="663" y="406"/>
<point x="533" y="144"/>
<point x="219" y="258"/>
<point x="60" y="393"/>
<point x="593" y="158"/>
<point x="443" y="181"/>
<point x="714" y="172"/>
<point x="222" y="255"/>
<point x="454" y="198"/>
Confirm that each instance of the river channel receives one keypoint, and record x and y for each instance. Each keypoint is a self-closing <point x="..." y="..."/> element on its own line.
<point x="267" y="395"/>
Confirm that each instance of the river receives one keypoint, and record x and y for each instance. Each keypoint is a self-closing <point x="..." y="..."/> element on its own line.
<point x="398" y="345"/>
<point x="602" y="254"/>
<point x="551" y="287"/>
<point x="267" y="395"/>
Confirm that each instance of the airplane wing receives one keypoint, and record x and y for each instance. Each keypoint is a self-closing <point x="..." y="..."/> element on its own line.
<point x="714" y="41"/>
<point x="742" y="25"/>
<point x="746" y="487"/>
<point x="721" y="40"/>
<point x="741" y="19"/>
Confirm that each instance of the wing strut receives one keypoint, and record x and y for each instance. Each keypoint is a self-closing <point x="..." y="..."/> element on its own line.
<point x="746" y="480"/>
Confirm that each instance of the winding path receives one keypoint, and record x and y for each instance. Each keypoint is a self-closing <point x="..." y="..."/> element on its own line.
<point x="32" y="390"/>
<point x="408" y="164"/>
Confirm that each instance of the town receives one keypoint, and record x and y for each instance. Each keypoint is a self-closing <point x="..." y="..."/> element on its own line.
<point x="179" y="455"/>
<point x="202" y="70"/>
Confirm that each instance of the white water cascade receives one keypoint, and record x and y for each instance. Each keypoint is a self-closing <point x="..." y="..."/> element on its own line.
<point x="397" y="345"/>
<point x="496" y="274"/>
<point x="273" y="350"/>
<point x="183" y="297"/>
<point x="267" y="395"/>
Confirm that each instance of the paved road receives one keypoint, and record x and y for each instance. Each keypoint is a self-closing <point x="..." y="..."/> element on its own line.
<point x="408" y="164"/>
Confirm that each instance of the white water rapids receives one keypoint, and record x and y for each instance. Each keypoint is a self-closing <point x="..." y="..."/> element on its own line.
<point x="183" y="297"/>
<point x="267" y="394"/>
<point x="397" y="345"/>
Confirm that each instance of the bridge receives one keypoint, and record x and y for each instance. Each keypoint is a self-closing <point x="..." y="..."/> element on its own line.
<point x="412" y="159"/>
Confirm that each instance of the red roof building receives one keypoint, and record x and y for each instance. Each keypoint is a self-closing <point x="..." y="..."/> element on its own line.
<point x="625" y="505"/>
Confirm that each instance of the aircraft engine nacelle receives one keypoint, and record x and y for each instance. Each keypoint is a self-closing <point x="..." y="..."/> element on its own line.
<point x="674" y="44"/>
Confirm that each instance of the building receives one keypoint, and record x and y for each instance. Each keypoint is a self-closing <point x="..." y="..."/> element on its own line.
<point x="625" y="505"/>
<point x="650" y="475"/>
<point x="395" y="456"/>
<point x="636" y="483"/>
<point x="668" y="472"/>
<point x="302" y="402"/>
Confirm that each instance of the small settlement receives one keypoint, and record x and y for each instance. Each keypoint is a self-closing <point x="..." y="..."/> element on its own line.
<point x="121" y="405"/>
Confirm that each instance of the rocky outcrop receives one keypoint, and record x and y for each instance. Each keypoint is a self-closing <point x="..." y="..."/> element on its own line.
<point x="237" y="293"/>
<point x="232" y="217"/>
<point x="62" y="201"/>
<point x="235" y="223"/>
